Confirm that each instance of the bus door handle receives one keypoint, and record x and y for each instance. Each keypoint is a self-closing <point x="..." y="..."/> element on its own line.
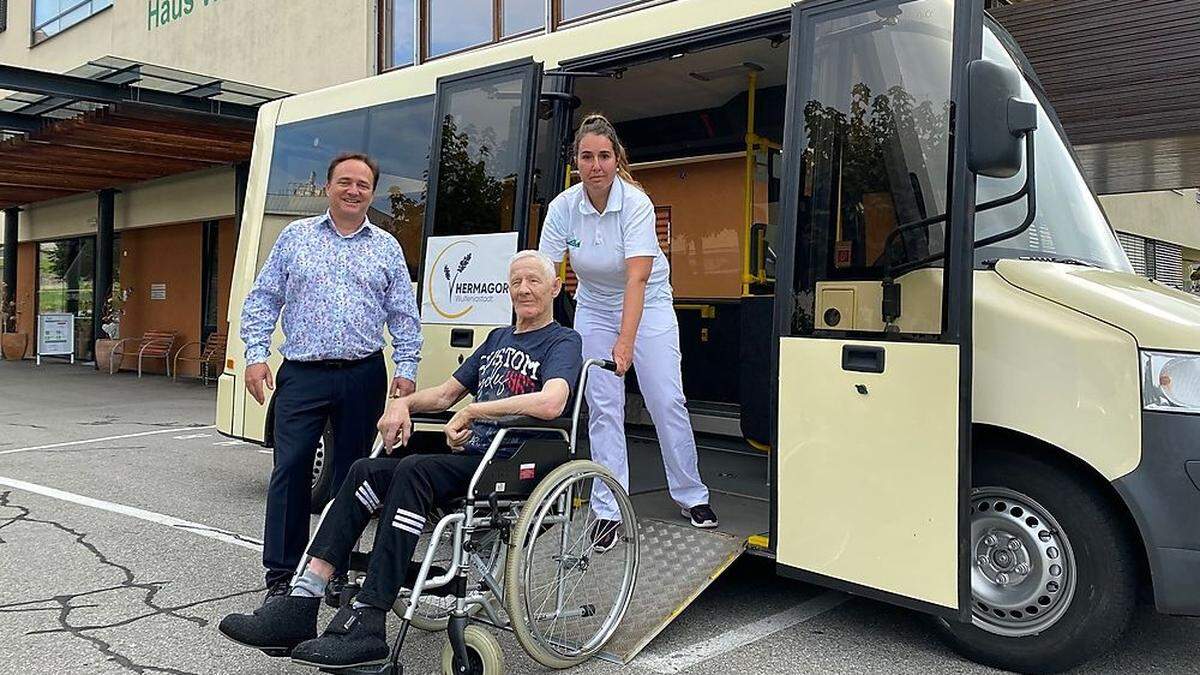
<point x="462" y="337"/>
<point x="862" y="359"/>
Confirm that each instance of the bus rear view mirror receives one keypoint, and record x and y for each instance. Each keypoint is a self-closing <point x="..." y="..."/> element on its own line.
<point x="999" y="119"/>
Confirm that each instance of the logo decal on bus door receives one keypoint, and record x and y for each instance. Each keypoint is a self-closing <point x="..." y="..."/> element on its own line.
<point x="466" y="279"/>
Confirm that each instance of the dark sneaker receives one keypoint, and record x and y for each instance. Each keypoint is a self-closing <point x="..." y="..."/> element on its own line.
<point x="702" y="516"/>
<point x="354" y="638"/>
<point x="604" y="534"/>
<point x="283" y="622"/>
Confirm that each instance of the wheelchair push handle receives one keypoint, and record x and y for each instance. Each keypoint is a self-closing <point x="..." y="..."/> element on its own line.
<point x="607" y="365"/>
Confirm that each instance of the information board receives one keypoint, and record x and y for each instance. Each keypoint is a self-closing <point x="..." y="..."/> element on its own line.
<point x="56" y="336"/>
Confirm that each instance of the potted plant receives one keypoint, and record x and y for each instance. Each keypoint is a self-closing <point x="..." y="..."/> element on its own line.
<point x="110" y="327"/>
<point x="12" y="343"/>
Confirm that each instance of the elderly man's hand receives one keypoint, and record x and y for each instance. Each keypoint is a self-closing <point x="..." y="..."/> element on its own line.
<point x="458" y="429"/>
<point x="395" y="427"/>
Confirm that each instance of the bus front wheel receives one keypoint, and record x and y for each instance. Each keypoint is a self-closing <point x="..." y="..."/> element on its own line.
<point x="1053" y="569"/>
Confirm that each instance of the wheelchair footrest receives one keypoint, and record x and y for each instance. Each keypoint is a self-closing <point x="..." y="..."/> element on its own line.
<point x="383" y="669"/>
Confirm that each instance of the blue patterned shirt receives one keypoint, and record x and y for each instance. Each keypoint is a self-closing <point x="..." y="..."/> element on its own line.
<point x="335" y="293"/>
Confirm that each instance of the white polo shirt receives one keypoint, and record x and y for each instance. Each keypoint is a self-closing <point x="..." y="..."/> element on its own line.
<point x="599" y="244"/>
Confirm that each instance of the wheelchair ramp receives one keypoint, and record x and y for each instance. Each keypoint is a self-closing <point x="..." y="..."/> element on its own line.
<point x="678" y="562"/>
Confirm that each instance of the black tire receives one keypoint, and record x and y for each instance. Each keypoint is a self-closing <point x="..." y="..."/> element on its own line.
<point x="322" y="474"/>
<point x="1097" y="611"/>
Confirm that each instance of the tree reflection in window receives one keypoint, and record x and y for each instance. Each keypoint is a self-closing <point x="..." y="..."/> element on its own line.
<point x="471" y="199"/>
<point x="872" y="170"/>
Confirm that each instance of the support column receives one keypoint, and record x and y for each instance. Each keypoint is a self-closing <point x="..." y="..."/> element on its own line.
<point x="9" y="301"/>
<point x="103" y="274"/>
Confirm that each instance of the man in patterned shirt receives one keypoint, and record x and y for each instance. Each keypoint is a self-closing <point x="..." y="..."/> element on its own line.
<point x="336" y="279"/>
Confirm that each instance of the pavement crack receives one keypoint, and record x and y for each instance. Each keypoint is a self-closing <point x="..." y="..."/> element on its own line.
<point x="26" y="426"/>
<point x="66" y="602"/>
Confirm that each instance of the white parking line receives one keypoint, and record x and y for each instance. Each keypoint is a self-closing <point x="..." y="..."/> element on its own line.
<point x="101" y="440"/>
<point x="150" y="516"/>
<point x="694" y="654"/>
<point x="187" y="437"/>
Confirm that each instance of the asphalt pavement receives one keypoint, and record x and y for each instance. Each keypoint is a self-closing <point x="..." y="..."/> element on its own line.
<point x="129" y="527"/>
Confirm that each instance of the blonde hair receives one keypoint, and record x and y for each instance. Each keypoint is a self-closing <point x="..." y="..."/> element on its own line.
<point x="598" y="124"/>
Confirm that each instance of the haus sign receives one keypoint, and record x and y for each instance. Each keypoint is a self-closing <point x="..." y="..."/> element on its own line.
<point x="161" y="13"/>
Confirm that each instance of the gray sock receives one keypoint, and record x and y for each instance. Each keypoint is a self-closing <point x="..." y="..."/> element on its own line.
<point x="309" y="585"/>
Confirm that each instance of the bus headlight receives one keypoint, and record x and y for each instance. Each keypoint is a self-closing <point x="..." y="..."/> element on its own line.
<point x="1171" y="382"/>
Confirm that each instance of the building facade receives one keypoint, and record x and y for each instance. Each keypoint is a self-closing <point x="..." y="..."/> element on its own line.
<point x="161" y="232"/>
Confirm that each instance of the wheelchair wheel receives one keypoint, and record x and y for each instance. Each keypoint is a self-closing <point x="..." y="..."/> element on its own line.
<point x="482" y="648"/>
<point x="565" y="600"/>
<point x="433" y="611"/>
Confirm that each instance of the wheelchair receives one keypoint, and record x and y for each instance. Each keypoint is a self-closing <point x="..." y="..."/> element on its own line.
<point x="516" y="554"/>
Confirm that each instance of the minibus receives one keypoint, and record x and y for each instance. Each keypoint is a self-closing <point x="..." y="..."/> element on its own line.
<point x="919" y="365"/>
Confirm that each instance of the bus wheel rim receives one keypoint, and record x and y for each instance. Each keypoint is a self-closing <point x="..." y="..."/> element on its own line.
<point x="1023" y="569"/>
<point x="318" y="461"/>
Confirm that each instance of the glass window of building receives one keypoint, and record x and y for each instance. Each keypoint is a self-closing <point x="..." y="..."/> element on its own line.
<point x="570" y="10"/>
<point x="398" y="47"/>
<point x="397" y="135"/>
<point x="51" y="17"/>
<point x="521" y="16"/>
<point x="454" y="25"/>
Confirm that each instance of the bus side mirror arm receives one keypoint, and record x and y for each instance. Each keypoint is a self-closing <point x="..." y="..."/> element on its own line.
<point x="999" y="123"/>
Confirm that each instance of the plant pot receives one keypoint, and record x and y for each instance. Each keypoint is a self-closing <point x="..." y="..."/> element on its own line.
<point x="104" y="356"/>
<point x="13" y="345"/>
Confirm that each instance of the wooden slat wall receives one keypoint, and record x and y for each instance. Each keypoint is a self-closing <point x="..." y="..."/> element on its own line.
<point x="1124" y="76"/>
<point x="1114" y="69"/>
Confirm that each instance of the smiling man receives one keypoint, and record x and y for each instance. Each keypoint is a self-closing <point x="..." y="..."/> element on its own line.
<point x="337" y="280"/>
<point x="527" y="369"/>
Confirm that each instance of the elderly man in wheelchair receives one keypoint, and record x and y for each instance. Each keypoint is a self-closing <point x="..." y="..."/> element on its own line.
<point x="519" y="548"/>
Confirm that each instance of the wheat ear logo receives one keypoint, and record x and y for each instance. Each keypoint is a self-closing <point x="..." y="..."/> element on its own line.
<point x="462" y="265"/>
<point x="443" y="307"/>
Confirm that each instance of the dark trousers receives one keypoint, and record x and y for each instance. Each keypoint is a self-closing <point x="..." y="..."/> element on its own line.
<point x="348" y="395"/>
<point x="401" y="490"/>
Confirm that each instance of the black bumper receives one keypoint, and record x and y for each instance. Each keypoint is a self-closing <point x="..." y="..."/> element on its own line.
<point x="1163" y="494"/>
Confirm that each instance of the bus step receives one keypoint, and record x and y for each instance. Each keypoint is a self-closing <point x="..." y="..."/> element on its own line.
<point x="678" y="562"/>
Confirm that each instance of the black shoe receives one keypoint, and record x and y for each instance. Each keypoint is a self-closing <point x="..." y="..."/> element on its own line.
<point x="604" y="534"/>
<point x="354" y="638"/>
<point x="282" y="622"/>
<point x="702" y="516"/>
<point x="339" y="591"/>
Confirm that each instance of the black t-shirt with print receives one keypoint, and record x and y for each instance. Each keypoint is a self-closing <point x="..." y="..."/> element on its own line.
<point x="510" y="364"/>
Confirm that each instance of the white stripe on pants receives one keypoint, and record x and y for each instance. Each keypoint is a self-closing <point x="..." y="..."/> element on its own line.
<point x="657" y="361"/>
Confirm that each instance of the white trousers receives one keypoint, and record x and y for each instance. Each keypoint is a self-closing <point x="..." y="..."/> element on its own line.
<point x="656" y="359"/>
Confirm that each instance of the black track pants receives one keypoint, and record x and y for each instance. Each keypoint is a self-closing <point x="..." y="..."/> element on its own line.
<point x="401" y="491"/>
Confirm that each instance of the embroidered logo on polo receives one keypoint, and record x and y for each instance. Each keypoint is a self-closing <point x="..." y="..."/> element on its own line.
<point x="409" y="522"/>
<point x="574" y="243"/>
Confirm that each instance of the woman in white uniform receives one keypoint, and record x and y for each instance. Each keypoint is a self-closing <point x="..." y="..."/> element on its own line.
<point x="624" y="311"/>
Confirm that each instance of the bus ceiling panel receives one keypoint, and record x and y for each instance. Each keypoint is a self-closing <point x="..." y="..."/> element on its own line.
<point x="690" y="81"/>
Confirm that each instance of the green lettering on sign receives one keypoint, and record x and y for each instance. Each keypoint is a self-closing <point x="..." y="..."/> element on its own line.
<point x="161" y="13"/>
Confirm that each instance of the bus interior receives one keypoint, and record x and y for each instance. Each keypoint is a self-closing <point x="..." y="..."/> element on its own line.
<point x="704" y="131"/>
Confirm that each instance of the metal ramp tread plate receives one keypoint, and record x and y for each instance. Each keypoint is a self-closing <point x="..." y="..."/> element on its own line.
<point x="677" y="562"/>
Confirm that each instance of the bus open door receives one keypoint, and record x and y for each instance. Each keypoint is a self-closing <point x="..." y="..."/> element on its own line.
<point x="872" y="465"/>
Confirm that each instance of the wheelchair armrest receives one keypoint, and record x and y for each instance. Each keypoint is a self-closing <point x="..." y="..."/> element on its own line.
<point x="526" y="422"/>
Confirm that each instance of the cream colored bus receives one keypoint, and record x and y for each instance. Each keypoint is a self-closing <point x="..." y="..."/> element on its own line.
<point x="998" y="430"/>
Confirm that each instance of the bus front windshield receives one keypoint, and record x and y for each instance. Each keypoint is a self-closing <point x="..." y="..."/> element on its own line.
<point x="1068" y="222"/>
